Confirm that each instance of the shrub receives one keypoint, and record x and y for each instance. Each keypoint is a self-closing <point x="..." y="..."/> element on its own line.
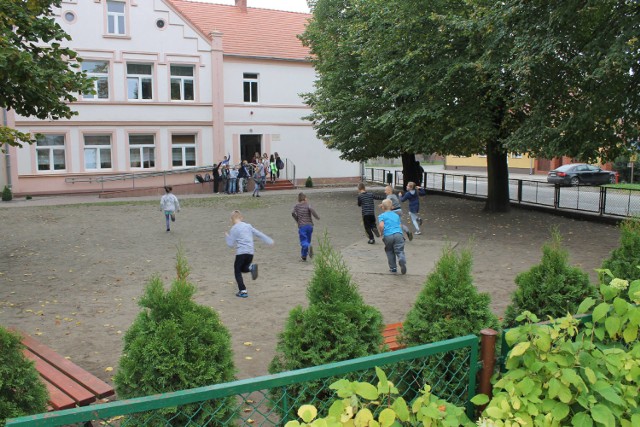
<point x="363" y="404"/>
<point x="7" y="195"/>
<point x="28" y="197"/>
<point x="308" y="183"/>
<point x="565" y="373"/>
<point x="448" y="306"/>
<point x="176" y="344"/>
<point x="625" y="259"/>
<point x="336" y="326"/>
<point x="21" y="391"/>
<point x="551" y="288"/>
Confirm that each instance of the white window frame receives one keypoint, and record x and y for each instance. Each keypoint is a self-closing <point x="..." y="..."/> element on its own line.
<point x="181" y="81"/>
<point x="99" y="152"/>
<point x="516" y="155"/>
<point x="179" y="144"/>
<point x="98" y="77"/>
<point x="250" y="87"/>
<point x="146" y="152"/>
<point x="139" y="80"/>
<point x="113" y="16"/>
<point x="50" y="149"/>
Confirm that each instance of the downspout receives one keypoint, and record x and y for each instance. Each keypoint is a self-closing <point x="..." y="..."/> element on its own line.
<point x="7" y="156"/>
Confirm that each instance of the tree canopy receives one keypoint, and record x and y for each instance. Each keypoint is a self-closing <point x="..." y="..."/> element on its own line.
<point x="468" y="77"/>
<point x="39" y="75"/>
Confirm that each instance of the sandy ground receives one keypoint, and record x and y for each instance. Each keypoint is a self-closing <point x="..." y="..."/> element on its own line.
<point x="72" y="274"/>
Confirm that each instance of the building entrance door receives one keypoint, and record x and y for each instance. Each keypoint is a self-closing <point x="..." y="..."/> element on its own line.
<point x="249" y="145"/>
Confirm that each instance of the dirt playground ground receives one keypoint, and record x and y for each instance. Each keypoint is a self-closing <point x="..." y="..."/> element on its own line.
<point x="72" y="274"/>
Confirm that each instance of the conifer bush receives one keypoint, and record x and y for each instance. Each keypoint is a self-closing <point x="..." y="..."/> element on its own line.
<point x="309" y="182"/>
<point x="175" y="344"/>
<point x="625" y="260"/>
<point x="448" y="306"/>
<point x="551" y="288"/>
<point x="7" y="195"/>
<point x="21" y="391"/>
<point x="336" y="326"/>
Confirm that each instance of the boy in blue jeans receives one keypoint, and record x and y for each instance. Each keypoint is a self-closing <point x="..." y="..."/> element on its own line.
<point x="389" y="226"/>
<point x="413" y="191"/>
<point x="303" y="213"/>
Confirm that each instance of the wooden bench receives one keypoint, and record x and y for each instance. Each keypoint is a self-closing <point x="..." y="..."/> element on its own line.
<point x="390" y="334"/>
<point x="68" y="384"/>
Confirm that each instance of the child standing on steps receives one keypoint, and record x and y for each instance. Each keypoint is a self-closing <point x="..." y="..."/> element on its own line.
<point x="302" y="213"/>
<point x="169" y="204"/>
<point x="241" y="236"/>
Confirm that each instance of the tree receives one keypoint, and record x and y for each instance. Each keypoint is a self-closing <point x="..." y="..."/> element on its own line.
<point x="407" y="76"/>
<point x="39" y="76"/>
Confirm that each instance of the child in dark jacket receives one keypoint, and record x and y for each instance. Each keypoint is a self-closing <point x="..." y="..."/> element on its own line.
<point x="412" y="194"/>
<point x="365" y="201"/>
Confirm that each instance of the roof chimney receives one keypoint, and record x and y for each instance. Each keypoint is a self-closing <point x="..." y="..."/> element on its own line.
<point x="242" y="4"/>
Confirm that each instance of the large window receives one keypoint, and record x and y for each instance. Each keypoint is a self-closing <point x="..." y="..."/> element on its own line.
<point x="182" y="83"/>
<point x="116" y="17"/>
<point x="140" y="81"/>
<point x="50" y="152"/>
<point x="99" y="71"/>
<point x="97" y="151"/>
<point x="250" y="87"/>
<point x="142" y="151"/>
<point x="183" y="150"/>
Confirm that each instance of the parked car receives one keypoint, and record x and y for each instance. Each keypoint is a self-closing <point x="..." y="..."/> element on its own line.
<point x="580" y="174"/>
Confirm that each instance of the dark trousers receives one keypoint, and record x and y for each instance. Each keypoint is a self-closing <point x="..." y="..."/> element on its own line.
<point x="241" y="265"/>
<point x="369" y="222"/>
<point x="216" y="183"/>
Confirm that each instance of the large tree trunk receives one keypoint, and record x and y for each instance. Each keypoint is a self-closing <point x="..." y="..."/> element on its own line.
<point x="498" y="179"/>
<point x="409" y="169"/>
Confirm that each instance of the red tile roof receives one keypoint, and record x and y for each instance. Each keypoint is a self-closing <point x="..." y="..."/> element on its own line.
<point x="255" y="33"/>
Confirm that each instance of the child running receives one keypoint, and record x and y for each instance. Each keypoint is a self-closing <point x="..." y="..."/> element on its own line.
<point x="397" y="208"/>
<point x="169" y="204"/>
<point x="389" y="225"/>
<point x="303" y="213"/>
<point x="411" y="195"/>
<point x="241" y="236"/>
<point x="365" y="200"/>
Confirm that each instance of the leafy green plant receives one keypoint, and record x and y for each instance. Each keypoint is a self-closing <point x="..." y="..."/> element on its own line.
<point x="337" y="325"/>
<point x="363" y="404"/>
<point x="7" y="195"/>
<point x="308" y="183"/>
<point x="625" y="259"/>
<point x="564" y="373"/>
<point x="28" y="197"/>
<point x="176" y="344"/>
<point x="21" y="390"/>
<point x="551" y="288"/>
<point x="448" y="306"/>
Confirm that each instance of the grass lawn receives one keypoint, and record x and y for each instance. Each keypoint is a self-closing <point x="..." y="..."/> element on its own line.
<point x="625" y="186"/>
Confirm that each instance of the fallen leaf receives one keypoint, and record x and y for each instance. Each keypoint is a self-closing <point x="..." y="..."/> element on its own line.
<point x="248" y="343"/>
<point x="108" y="369"/>
<point x="249" y="358"/>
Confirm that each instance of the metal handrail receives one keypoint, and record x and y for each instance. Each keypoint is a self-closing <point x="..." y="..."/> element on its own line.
<point x="136" y="175"/>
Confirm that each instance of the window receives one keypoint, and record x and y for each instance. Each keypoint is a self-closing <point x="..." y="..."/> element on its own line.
<point x="142" y="151"/>
<point x="97" y="151"/>
<point x="99" y="72"/>
<point x="183" y="150"/>
<point x="140" y="81"/>
<point x="516" y="155"/>
<point x="250" y="86"/>
<point x="50" y="152"/>
<point x="182" y="82"/>
<point x="115" y="17"/>
<point x="70" y="17"/>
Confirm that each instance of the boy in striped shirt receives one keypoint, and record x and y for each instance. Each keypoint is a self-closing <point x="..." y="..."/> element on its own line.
<point x="365" y="201"/>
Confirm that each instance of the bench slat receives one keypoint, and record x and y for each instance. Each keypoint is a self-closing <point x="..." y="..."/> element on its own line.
<point x="75" y="391"/>
<point x="98" y="387"/>
<point x="57" y="398"/>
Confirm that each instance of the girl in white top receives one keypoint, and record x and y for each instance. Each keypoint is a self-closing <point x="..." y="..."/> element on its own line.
<point x="169" y="204"/>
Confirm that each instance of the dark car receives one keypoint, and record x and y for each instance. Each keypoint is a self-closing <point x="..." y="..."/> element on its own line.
<point x="580" y="174"/>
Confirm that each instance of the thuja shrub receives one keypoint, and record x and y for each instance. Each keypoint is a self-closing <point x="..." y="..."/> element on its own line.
<point x="21" y="391"/>
<point x="625" y="259"/>
<point x="337" y="325"/>
<point x="448" y="306"/>
<point x="175" y="344"/>
<point x="551" y="288"/>
<point x="571" y="373"/>
<point x="7" y="195"/>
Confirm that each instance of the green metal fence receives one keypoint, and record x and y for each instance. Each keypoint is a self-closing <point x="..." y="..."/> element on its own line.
<point x="450" y="367"/>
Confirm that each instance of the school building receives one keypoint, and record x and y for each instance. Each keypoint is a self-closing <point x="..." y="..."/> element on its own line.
<point x="178" y="84"/>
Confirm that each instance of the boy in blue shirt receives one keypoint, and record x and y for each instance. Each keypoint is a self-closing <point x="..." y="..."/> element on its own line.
<point x="413" y="191"/>
<point x="389" y="226"/>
